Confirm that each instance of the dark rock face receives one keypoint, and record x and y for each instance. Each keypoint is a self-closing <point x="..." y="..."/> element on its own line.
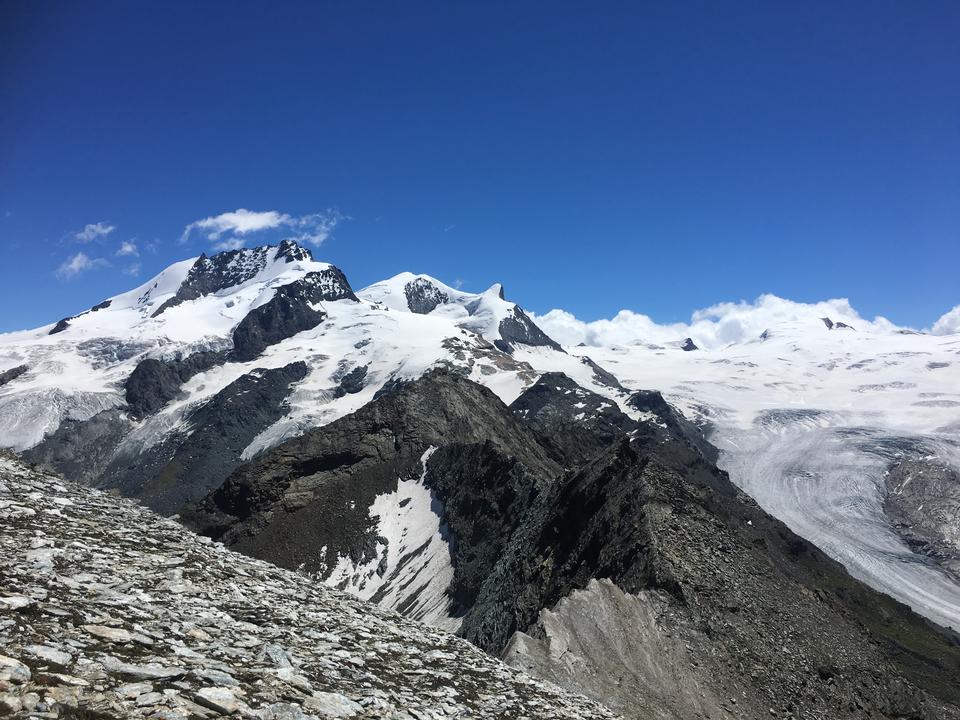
<point x="485" y="495"/>
<point x="572" y="423"/>
<point x="352" y="382"/>
<point x="423" y="296"/>
<point x="602" y="376"/>
<point x="651" y="401"/>
<point x="82" y="449"/>
<point x="12" y="374"/>
<point x="688" y="345"/>
<point x="153" y="383"/>
<point x="314" y="491"/>
<point x="518" y="328"/>
<point x="189" y="464"/>
<point x="65" y="322"/>
<point x="233" y="267"/>
<point x="831" y="325"/>
<point x="288" y="312"/>
<point x="218" y="272"/>
<point x="740" y="585"/>
<point x="285" y="315"/>
<point x="60" y="326"/>
<point x="290" y="251"/>
<point x="767" y="618"/>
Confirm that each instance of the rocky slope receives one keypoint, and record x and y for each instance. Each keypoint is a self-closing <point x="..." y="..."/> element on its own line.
<point x="639" y="563"/>
<point x="108" y="611"/>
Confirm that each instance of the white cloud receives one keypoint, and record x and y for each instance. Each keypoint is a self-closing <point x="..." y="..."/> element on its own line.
<point x="230" y="229"/>
<point x="77" y="264"/>
<point x="233" y="243"/>
<point x="128" y="247"/>
<point x="711" y="327"/>
<point x="132" y="269"/>
<point x="316" y="228"/>
<point x="948" y="323"/>
<point x="92" y="231"/>
<point x="239" y="222"/>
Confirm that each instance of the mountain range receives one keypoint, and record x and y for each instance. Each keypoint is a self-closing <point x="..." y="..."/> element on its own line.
<point x="763" y="529"/>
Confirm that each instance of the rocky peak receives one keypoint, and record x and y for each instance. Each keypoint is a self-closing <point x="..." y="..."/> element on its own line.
<point x="423" y="296"/>
<point x="218" y="272"/>
<point x="291" y="251"/>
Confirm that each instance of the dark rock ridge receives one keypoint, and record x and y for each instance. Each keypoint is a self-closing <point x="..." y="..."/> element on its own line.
<point x="206" y="447"/>
<point x="756" y="621"/>
<point x="423" y="296"/>
<point x="82" y="449"/>
<point x="689" y="345"/>
<point x="288" y="312"/>
<point x="153" y="383"/>
<point x="234" y="267"/>
<point x="112" y="612"/>
<point x="603" y="377"/>
<point x="64" y="323"/>
<point x="12" y="374"/>
<point x="518" y="328"/>
<point x="572" y="423"/>
<point x="61" y="325"/>
<point x="352" y="381"/>
<point x="221" y="271"/>
<point x="313" y="492"/>
<point x="831" y="325"/>
<point x="672" y="420"/>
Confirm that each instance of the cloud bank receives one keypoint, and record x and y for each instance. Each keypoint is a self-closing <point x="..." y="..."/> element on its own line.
<point x="948" y="323"/>
<point x="230" y="230"/>
<point x="710" y="328"/>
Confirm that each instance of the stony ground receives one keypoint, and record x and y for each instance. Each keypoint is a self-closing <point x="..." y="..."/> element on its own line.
<point x="109" y="611"/>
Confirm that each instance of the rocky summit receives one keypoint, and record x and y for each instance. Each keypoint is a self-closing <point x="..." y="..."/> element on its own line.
<point x="109" y="611"/>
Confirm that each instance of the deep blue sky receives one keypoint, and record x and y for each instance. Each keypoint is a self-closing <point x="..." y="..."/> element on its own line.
<point x="593" y="156"/>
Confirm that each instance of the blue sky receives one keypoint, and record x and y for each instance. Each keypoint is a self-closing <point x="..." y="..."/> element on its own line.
<point x="657" y="157"/>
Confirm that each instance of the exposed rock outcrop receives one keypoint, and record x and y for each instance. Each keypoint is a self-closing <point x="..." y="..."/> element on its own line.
<point x="288" y="312"/>
<point x="192" y="461"/>
<point x="423" y="296"/>
<point x="12" y="374"/>
<point x="519" y="328"/>
<point x="153" y="383"/>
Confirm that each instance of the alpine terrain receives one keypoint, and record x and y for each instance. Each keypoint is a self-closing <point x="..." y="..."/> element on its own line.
<point x="412" y="474"/>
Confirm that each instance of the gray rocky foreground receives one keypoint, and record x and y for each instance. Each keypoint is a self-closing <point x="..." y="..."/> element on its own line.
<point x="110" y="611"/>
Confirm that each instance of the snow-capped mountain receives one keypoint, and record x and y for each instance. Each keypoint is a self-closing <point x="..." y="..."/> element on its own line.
<point x="123" y="394"/>
<point x="267" y="341"/>
<point x="438" y="453"/>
